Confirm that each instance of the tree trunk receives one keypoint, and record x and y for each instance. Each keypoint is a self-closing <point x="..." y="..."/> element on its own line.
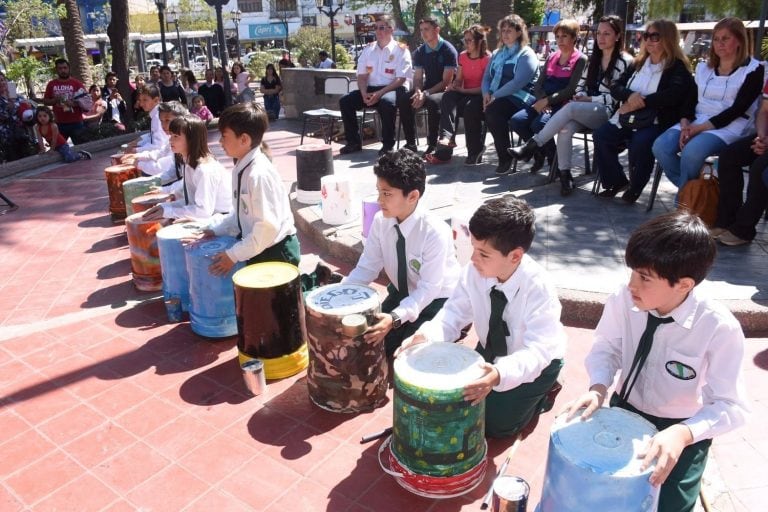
<point x="420" y="10"/>
<point x="74" y="42"/>
<point x="491" y="13"/>
<point x="118" y="39"/>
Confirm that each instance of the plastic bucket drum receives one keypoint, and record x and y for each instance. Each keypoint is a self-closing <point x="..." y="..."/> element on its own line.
<point x="370" y="207"/>
<point x="593" y="464"/>
<point x="313" y="161"/>
<point x="345" y="373"/>
<point x="437" y="435"/>
<point x="336" y="202"/>
<point x="136" y="187"/>
<point x="116" y="175"/>
<point x="145" y="256"/>
<point x="115" y="158"/>
<point x="173" y="266"/>
<point x="145" y="202"/>
<point x="211" y="298"/>
<point x="270" y="318"/>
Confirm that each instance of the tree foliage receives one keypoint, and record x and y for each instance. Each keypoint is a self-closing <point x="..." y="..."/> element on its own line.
<point x="308" y="41"/>
<point x="29" y="71"/>
<point x="29" y="18"/>
<point x="671" y="9"/>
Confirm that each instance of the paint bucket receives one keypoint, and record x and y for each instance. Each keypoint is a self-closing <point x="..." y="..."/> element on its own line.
<point x="370" y="208"/>
<point x="211" y="298"/>
<point x="313" y="161"/>
<point x="253" y="376"/>
<point x="145" y="257"/>
<point x="173" y="266"/>
<point x="345" y="374"/>
<point x="116" y="175"/>
<point x="136" y="187"/>
<point x="593" y="464"/>
<point x="336" y="200"/>
<point x="144" y="202"/>
<point x="510" y="494"/>
<point x="270" y="318"/>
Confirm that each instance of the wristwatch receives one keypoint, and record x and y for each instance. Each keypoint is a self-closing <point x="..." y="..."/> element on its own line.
<point x="425" y="93"/>
<point x="396" y="321"/>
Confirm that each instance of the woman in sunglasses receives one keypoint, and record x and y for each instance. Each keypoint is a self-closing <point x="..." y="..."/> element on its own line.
<point x="654" y="94"/>
<point x="592" y="105"/>
<point x="729" y="84"/>
<point x="508" y="84"/>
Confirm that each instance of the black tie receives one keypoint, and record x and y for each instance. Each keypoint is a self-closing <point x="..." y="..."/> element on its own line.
<point x="186" y="196"/>
<point x="237" y="198"/>
<point x="641" y="354"/>
<point x="402" y="269"/>
<point x="496" y="341"/>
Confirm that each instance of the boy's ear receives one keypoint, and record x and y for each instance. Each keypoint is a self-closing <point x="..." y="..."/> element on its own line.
<point x="685" y="284"/>
<point x="246" y="140"/>
<point x="515" y="256"/>
<point x="413" y="196"/>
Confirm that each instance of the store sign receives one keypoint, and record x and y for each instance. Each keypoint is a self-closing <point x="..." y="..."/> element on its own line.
<point x="267" y="31"/>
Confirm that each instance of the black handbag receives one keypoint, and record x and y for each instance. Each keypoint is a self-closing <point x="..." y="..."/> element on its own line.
<point x="637" y="119"/>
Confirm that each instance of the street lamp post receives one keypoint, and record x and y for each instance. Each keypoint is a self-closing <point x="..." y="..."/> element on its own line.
<point x="237" y="15"/>
<point x="218" y="4"/>
<point x="173" y="17"/>
<point x="161" y="17"/>
<point x="331" y="13"/>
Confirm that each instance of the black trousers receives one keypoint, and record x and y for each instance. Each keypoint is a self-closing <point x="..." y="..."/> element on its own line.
<point x="350" y="103"/>
<point x="408" y="117"/>
<point x="738" y="216"/>
<point x="470" y="106"/>
<point x="497" y="119"/>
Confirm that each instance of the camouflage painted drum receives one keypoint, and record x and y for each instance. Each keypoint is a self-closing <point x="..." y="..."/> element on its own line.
<point x="136" y="187"/>
<point x="270" y="316"/>
<point x="145" y="255"/>
<point x="435" y="431"/>
<point x="345" y="373"/>
<point x="116" y="175"/>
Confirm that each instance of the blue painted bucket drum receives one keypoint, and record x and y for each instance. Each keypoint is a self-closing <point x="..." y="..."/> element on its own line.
<point x="593" y="464"/>
<point x="270" y="318"/>
<point x="345" y="374"/>
<point x="211" y="298"/>
<point x="136" y="187"/>
<point x="437" y="435"/>
<point x="173" y="266"/>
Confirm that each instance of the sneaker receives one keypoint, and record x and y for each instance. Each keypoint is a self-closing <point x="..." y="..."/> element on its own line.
<point x="350" y="148"/>
<point x="630" y="196"/>
<point x="612" y="191"/>
<point x="385" y="149"/>
<point x="411" y="147"/>
<point x="474" y="159"/>
<point x="716" y="232"/>
<point x="85" y="155"/>
<point x="728" y="238"/>
<point x="503" y="168"/>
<point x="430" y="149"/>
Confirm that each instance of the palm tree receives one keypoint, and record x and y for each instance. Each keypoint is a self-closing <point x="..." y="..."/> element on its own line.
<point x="74" y="42"/>
<point x="118" y="39"/>
<point x="491" y="13"/>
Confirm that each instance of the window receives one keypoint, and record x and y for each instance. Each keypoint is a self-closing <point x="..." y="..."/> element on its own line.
<point x="250" y="6"/>
<point x="283" y="9"/>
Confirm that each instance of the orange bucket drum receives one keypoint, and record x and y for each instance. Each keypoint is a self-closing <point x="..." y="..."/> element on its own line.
<point x="147" y="201"/>
<point x="116" y="175"/>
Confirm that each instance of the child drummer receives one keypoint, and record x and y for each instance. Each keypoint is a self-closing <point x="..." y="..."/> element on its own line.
<point x="516" y="314"/>
<point x="679" y="353"/>
<point x="159" y="160"/>
<point x="414" y="248"/>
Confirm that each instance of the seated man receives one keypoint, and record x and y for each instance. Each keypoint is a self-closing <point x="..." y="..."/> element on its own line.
<point x="382" y="70"/>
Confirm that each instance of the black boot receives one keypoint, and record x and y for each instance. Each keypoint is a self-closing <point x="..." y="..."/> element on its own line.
<point x="524" y="152"/>
<point x="538" y="161"/>
<point x="566" y="182"/>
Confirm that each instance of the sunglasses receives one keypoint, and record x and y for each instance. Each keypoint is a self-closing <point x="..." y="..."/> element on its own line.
<point x="382" y="27"/>
<point x="654" y="37"/>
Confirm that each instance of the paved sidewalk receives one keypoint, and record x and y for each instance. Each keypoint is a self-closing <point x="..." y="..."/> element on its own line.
<point x="105" y="406"/>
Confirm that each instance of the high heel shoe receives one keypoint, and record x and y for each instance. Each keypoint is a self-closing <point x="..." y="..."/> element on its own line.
<point x="566" y="182"/>
<point x="524" y="152"/>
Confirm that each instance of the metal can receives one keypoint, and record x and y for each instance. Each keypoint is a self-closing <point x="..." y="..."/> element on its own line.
<point x="510" y="494"/>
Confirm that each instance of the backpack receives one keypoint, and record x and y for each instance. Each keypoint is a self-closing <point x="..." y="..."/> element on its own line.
<point x="700" y="196"/>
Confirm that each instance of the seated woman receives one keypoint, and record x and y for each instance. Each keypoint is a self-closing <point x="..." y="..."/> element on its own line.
<point x="508" y="84"/>
<point x="592" y="105"/>
<point x="728" y="86"/>
<point x="92" y="118"/>
<point x="205" y="188"/>
<point x="656" y="92"/>
<point x="464" y="96"/>
<point x="554" y="88"/>
<point x="736" y="221"/>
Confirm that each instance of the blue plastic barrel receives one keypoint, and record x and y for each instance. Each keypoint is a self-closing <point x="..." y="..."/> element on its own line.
<point x="173" y="266"/>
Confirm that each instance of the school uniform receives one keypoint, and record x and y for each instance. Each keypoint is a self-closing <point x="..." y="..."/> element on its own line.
<point x="432" y="268"/>
<point x="157" y="162"/>
<point x="260" y="215"/>
<point x="202" y="192"/>
<point x="692" y="376"/>
<point x="534" y="339"/>
<point x="156" y="138"/>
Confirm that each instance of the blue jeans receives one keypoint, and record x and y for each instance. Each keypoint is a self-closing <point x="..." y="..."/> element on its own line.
<point x="608" y="138"/>
<point x="65" y="150"/>
<point x="272" y="105"/>
<point x="687" y="166"/>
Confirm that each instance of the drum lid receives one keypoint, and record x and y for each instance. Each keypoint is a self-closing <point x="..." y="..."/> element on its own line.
<point x="180" y="230"/>
<point x="138" y="219"/>
<point x="152" y="198"/>
<point x="210" y="246"/>
<point x="439" y="366"/>
<point x="342" y="299"/>
<point x="142" y="179"/>
<point x="606" y="443"/>
<point x="265" y="275"/>
<point x="119" y="168"/>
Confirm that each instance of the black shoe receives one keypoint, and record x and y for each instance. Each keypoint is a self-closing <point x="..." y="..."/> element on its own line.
<point x="474" y="159"/>
<point x="85" y="155"/>
<point x="430" y="149"/>
<point x="630" y="196"/>
<point x="324" y="275"/>
<point x="566" y="182"/>
<point x="385" y="149"/>
<point x="538" y="162"/>
<point x="524" y="152"/>
<point x="504" y="167"/>
<point x="350" y="148"/>
<point x="412" y="147"/>
<point x="611" y="192"/>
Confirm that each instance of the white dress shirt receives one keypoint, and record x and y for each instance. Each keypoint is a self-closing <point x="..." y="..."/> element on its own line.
<point x="158" y="162"/>
<point x="532" y="314"/>
<point x="156" y="139"/>
<point x="384" y="65"/>
<point x="693" y="370"/>
<point x="264" y="208"/>
<point x="433" y="270"/>
<point x="209" y="191"/>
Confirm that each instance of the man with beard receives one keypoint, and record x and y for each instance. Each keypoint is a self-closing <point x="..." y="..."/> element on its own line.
<point x="61" y="93"/>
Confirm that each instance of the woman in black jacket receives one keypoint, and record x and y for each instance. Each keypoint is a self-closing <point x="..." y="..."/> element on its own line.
<point x="660" y="90"/>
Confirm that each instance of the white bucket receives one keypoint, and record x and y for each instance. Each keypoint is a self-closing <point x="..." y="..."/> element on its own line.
<point x="336" y="200"/>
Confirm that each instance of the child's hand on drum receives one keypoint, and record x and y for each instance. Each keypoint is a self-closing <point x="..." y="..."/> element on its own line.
<point x="221" y="264"/>
<point x="592" y="400"/>
<point x="128" y="158"/>
<point x="376" y="333"/>
<point x="476" y="391"/>
<point x="409" y="342"/>
<point x="154" y="213"/>
<point x="665" y="447"/>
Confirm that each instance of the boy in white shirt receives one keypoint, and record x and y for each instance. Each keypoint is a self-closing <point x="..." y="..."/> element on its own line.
<point x="685" y="376"/>
<point x="153" y="161"/>
<point x="516" y="313"/>
<point x="418" y="291"/>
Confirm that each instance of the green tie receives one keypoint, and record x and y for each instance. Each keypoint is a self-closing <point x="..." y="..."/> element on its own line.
<point x="641" y="354"/>
<point x="496" y="341"/>
<point x="402" y="269"/>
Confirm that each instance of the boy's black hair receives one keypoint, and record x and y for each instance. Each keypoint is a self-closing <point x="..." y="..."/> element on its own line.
<point x="151" y="90"/>
<point x="674" y="245"/>
<point x="173" y="107"/>
<point x="402" y="169"/>
<point x="504" y="222"/>
<point x="248" y="117"/>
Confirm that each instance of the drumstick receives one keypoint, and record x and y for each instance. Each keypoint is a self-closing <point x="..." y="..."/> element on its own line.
<point x="502" y="469"/>
<point x="377" y="435"/>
